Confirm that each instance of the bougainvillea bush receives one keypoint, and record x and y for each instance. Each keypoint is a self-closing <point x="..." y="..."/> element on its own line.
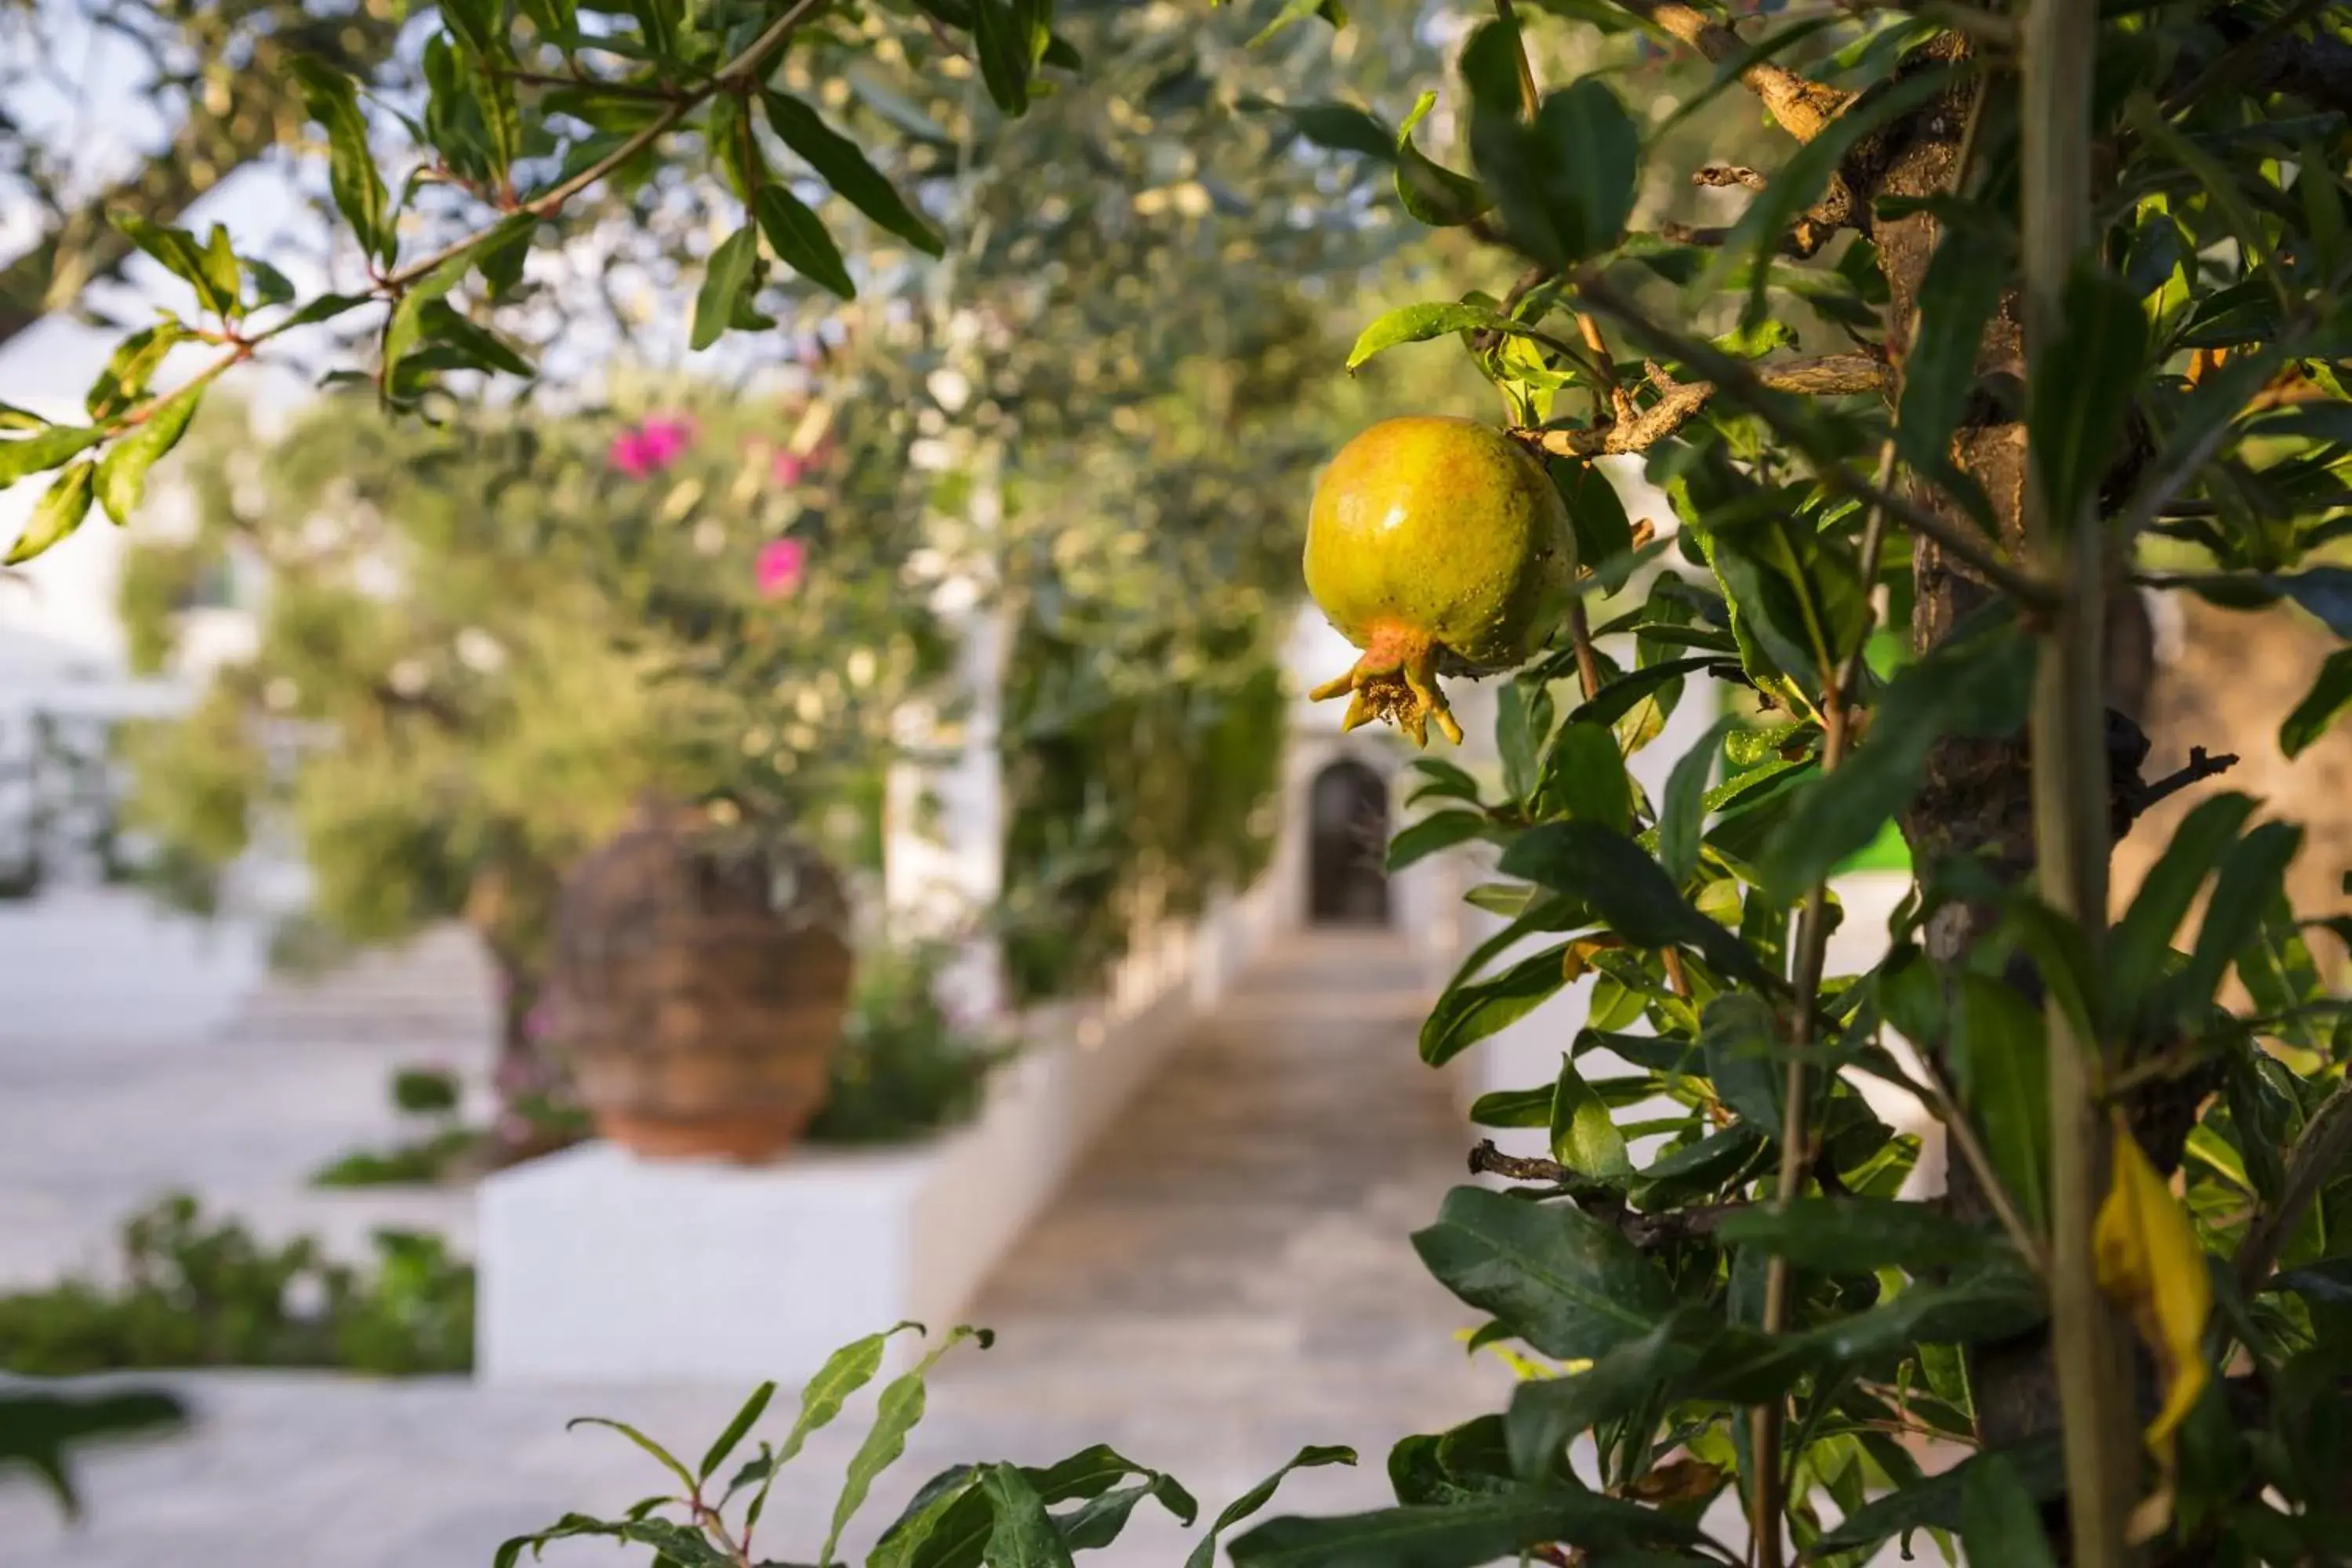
<point x="2073" y="279"/>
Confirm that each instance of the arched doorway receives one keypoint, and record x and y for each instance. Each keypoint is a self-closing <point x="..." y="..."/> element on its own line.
<point x="1347" y="840"/>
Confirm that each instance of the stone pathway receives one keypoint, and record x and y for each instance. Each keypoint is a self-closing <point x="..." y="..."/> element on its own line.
<point x="1227" y="1279"/>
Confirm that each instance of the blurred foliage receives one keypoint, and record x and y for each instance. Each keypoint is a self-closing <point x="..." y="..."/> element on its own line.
<point x="906" y="1069"/>
<point x="198" y="1294"/>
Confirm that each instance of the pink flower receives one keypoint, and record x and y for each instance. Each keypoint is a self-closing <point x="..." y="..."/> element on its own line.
<point x="787" y="468"/>
<point x="778" y="571"/>
<point x="650" y="448"/>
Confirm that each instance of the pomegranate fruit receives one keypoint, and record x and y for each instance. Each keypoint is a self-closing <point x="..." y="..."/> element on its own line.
<point x="1436" y="545"/>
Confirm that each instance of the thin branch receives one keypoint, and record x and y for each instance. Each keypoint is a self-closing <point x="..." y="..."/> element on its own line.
<point x="1737" y="379"/>
<point x="734" y="73"/>
<point x="1679" y="402"/>
<point x="1643" y="1230"/>
<point x="1803" y="108"/>
<point x="2201" y="766"/>
<point x="2313" y="1158"/>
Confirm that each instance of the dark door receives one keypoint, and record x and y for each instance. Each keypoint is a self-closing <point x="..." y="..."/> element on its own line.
<point x="1348" y="835"/>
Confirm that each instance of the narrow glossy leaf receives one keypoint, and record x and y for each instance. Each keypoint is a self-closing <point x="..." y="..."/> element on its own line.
<point x="853" y="176"/>
<point x="1465" y="1534"/>
<point x="1564" y="184"/>
<point x="896" y="1414"/>
<point x="1683" y="815"/>
<point x="405" y="328"/>
<point x="1611" y="873"/>
<point x="1937" y="1502"/>
<point x="1440" y="830"/>
<point x="480" y="347"/>
<point x="998" y="38"/>
<point x="724" y="1443"/>
<point x="1741" y="1043"/>
<point x="1619" y="698"/>
<point x="122" y="471"/>
<point x="1513" y="1108"/>
<point x="2081" y="390"/>
<point x="2000" y="1058"/>
<point x="1849" y="1234"/>
<point x="1446" y="779"/>
<point x="1338" y="127"/>
<point x="130" y="367"/>
<point x="1467" y="1461"/>
<point x="14" y="419"/>
<point x="1584" y="1136"/>
<point x="57" y="513"/>
<point x="944" y="1525"/>
<point x="1566" y="1283"/>
<point x="1972" y="685"/>
<point x="359" y="190"/>
<point x="2322" y="706"/>
<point x="1100" y="1519"/>
<point x="725" y="282"/>
<point x="1585" y="777"/>
<point x="1595" y="511"/>
<point x="2001" y="1521"/>
<point x="180" y="255"/>
<point x="1546" y="1414"/>
<point x="1431" y="193"/>
<point x="2250" y="878"/>
<point x="1294" y="12"/>
<point x="668" y="1460"/>
<point x="844" y="1372"/>
<point x="1205" y="1555"/>
<point x="1418" y="323"/>
<point x="42" y="450"/>
<point x="2137" y="950"/>
<point x="1469" y="1011"/>
<point x="799" y="239"/>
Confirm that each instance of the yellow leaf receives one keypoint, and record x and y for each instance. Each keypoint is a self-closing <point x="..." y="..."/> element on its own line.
<point x="2149" y="1262"/>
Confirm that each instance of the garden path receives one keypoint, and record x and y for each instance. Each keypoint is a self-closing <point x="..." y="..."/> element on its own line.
<point x="1228" y="1278"/>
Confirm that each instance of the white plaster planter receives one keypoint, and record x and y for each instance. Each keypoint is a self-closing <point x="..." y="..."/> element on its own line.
<point x="600" y="1267"/>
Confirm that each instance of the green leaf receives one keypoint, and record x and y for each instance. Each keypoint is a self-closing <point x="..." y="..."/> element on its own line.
<point x="359" y="190"/>
<point x="944" y="1525"/>
<point x="997" y="37"/>
<point x="2330" y="697"/>
<point x="896" y="1414"/>
<point x="132" y="366"/>
<point x="1742" y="1045"/>
<point x="1440" y="830"/>
<point x="1938" y="1503"/>
<point x="668" y="1460"/>
<point x="2001" y="1521"/>
<point x="1467" y="1461"/>
<point x="122" y="471"/>
<point x="57" y="513"/>
<point x="1682" y="817"/>
<point x="1337" y="127"/>
<point x="1205" y="1555"/>
<point x="726" y="282"/>
<point x="1620" y="696"/>
<point x="182" y="257"/>
<point x="1467" y="1534"/>
<point x="39" y="1429"/>
<point x="1611" y="873"/>
<point x="1976" y="684"/>
<point x="1446" y="780"/>
<point x="1584" y="1136"/>
<point x="1294" y="12"/>
<point x="1852" y="1235"/>
<point x="43" y="450"/>
<point x="1565" y="184"/>
<point x="405" y="328"/>
<point x="1470" y="1011"/>
<point x="1546" y="1414"/>
<point x="2000" y="1054"/>
<point x="1418" y="323"/>
<point x="2252" y="875"/>
<point x="724" y="1445"/>
<point x="1584" y="778"/>
<point x="844" y="1372"/>
<point x="1513" y="1108"/>
<point x="2081" y="389"/>
<point x="839" y="162"/>
<point x="1433" y="193"/>
<point x="1595" y="511"/>
<point x="2137" y="950"/>
<point x="1568" y="1285"/>
<point x="1024" y="1535"/>
<point x="799" y="239"/>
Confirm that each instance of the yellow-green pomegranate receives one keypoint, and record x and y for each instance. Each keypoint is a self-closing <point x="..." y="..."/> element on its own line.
<point x="1435" y="545"/>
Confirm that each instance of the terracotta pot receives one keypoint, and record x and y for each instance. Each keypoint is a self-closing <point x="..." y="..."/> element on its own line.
<point x="699" y="982"/>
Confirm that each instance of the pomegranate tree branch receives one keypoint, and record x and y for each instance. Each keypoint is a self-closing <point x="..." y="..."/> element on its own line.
<point x="1679" y="402"/>
<point x="1803" y="108"/>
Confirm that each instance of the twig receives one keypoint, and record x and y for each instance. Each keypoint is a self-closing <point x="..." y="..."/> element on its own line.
<point x="1803" y="108"/>
<point x="1768" y="1498"/>
<point x="1737" y="379"/>
<point x="2201" y="766"/>
<point x="1643" y="1230"/>
<point x="1721" y="175"/>
<point x="2313" y="1158"/>
<point x="1679" y="402"/>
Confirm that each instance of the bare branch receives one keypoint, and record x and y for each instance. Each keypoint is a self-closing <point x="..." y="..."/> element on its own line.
<point x="1680" y="402"/>
<point x="1803" y="108"/>
<point x="2201" y="767"/>
<point x="1643" y="1230"/>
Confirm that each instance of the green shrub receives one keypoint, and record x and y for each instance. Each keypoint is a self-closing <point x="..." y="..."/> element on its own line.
<point x="905" y="1068"/>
